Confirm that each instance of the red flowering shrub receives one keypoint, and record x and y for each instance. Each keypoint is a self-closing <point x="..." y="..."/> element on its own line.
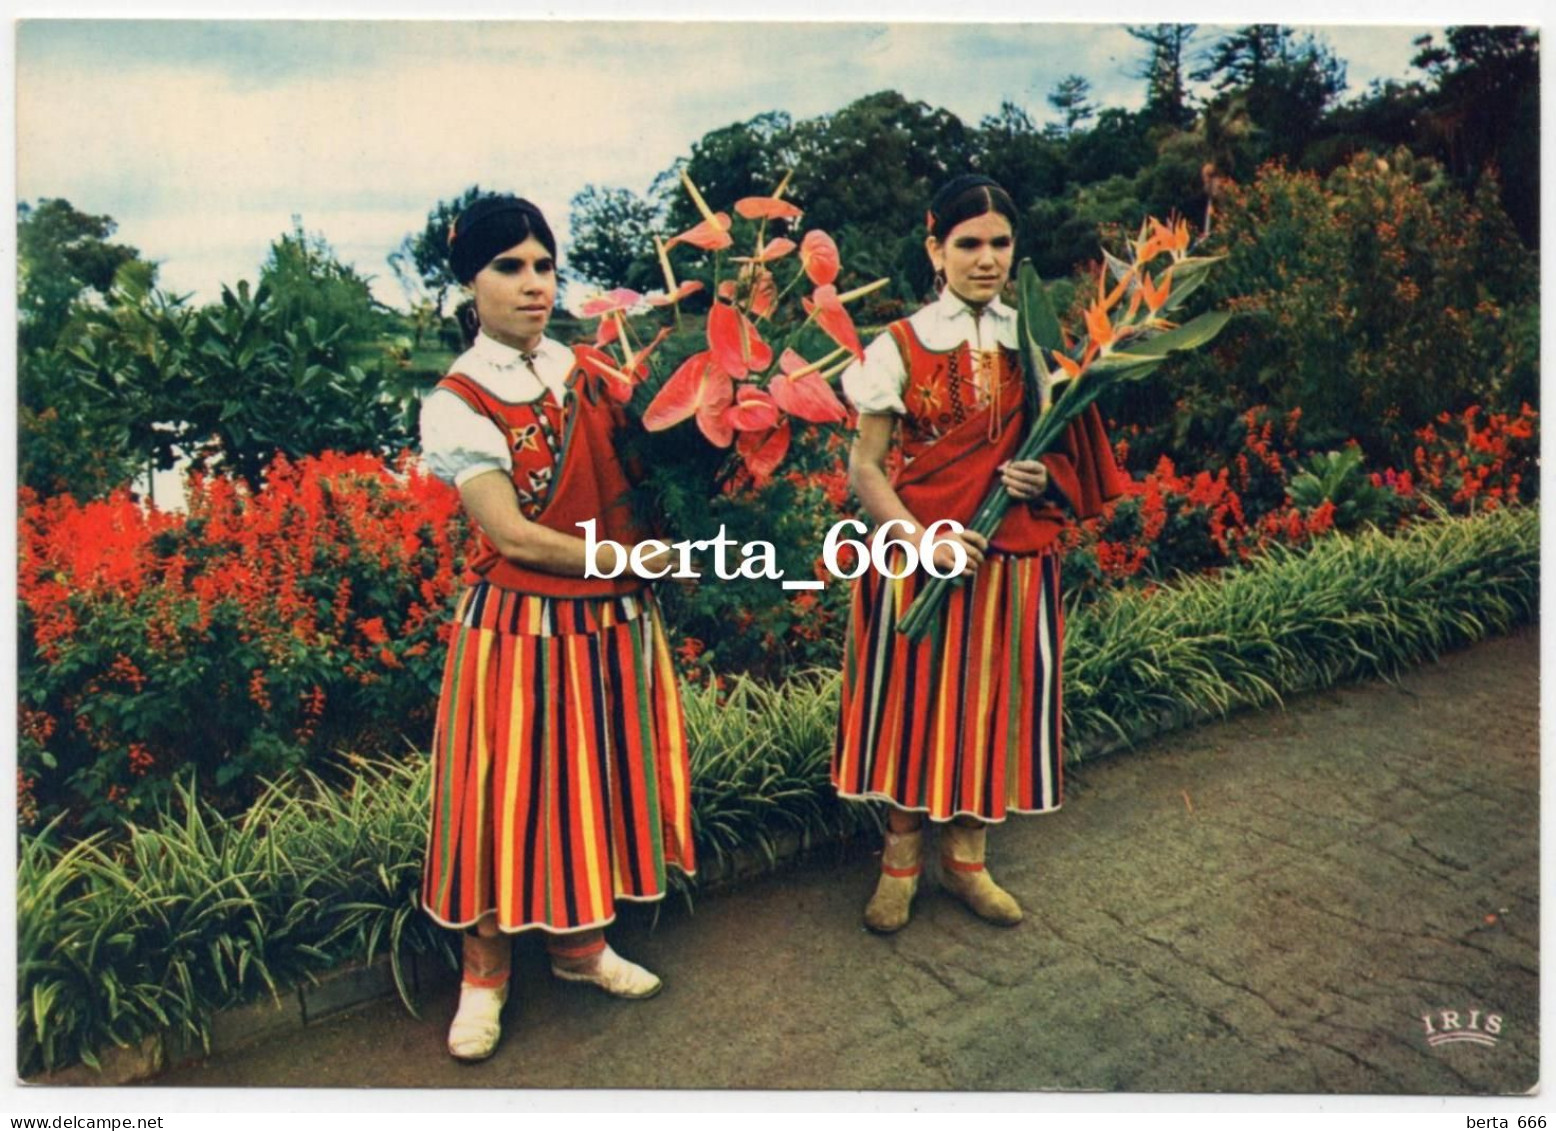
<point x="259" y="631"/>
<point x="1496" y="462"/>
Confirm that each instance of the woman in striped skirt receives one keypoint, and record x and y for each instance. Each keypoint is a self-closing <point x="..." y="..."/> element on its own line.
<point x="963" y="726"/>
<point x="560" y="775"/>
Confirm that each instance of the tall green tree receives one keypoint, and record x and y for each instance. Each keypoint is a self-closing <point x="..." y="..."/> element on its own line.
<point x="69" y="439"/>
<point x="1014" y="151"/>
<point x="61" y="253"/>
<point x="1285" y="81"/>
<point x="612" y="241"/>
<point x="306" y="280"/>
<point x="1071" y="99"/>
<point x="1166" y="94"/>
<point x="420" y="262"/>
<point x="1484" y="110"/>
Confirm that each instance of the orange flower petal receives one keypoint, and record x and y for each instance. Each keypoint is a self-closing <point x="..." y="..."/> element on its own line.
<point x="682" y="394"/>
<point x="713" y="414"/>
<point x="808" y="397"/>
<point x="766" y="208"/>
<point x="819" y="257"/>
<point x="726" y="328"/>
<point x="764" y="451"/>
<point x="710" y="236"/>
<point x="689" y="287"/>
<point x="609" y="303"/>
<point x="775" y="249"/>
<point x="753" y="411"/>
<point x="764" y="294"/>
<point x="832" y="317"/>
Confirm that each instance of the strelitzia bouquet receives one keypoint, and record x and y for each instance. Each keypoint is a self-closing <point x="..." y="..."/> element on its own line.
<point x="1128" y="334"/>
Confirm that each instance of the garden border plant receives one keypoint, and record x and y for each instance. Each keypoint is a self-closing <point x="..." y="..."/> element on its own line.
<point x="191" y="913"/>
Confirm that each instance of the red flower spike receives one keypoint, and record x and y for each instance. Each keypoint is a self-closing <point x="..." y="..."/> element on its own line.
<point x="708" y="236"/>
<point x="689" y="287"/>
<point x="808" y="397"/>
<point x="609" y="302"/>
<point x="764" y="451"/>
<point x="819" y="257"/>
<point x="823" y="305"/>
<point x="753" y="411"/>
<point x="767" y="208"/>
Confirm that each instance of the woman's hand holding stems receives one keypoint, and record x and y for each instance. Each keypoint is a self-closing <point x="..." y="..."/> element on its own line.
<point x="1026" y="480"/>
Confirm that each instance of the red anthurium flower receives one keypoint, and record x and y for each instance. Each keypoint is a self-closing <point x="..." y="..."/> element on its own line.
<point x="640" y="363"/>
<point x="709" y="235"/>
<point x="713" y="414"/>
<point x="819" y="257"/>
<point x="764" y="451"/>
<point x="775" y="249"/>
<point x="726" y="328"/>
<point x="753" y="411"/>
<point x="609" y="303"/>
<point x="618" y="385"/>
<point x="823" y="305"/>
<point x="766" y="208"/>
<point x="607" y="333"/>
<point x="690" y="287"/>
<point x="764" y="293"/>
<point x="727" y="290"/>
<point x="699" y="381"/>
<point x="807" y="396"/>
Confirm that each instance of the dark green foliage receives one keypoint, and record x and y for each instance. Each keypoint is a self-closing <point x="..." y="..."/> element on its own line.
<point x="421" y="260"/>
<point x="611" y="229"/>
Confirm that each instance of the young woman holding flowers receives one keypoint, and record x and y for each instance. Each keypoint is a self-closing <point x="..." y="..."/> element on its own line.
<point x="964" y="725"/>
<point x="560" y="776"/>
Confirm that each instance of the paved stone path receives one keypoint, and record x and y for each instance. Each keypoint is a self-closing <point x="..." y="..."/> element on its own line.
<point x="1269" y="904"/>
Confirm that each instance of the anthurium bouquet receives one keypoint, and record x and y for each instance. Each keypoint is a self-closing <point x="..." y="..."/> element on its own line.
<point x="1124" y="341"/>
<point x="741" y="391"/>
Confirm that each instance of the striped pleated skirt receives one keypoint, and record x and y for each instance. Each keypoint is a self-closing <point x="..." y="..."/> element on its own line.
<point x="967" y="720"/>
<point x="560" y="779"/>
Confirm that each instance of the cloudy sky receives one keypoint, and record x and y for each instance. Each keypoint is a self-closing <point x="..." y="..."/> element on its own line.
<point x="203" y="139"/>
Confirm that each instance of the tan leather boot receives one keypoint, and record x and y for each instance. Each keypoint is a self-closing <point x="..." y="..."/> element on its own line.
<point x="963" y="875"/>
<point x="901" y="862"/>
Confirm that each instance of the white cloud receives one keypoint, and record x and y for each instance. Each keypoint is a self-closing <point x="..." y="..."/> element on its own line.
<point x="204" y="147"/>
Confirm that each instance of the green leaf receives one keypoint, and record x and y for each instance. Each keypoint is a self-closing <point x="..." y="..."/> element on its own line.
<point x="1190" y="335"/>
<point x="1035" y="310"/>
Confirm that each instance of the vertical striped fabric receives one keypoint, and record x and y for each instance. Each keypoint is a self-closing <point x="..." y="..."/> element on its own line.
<point x="967" y="720"/>
<point x="560" y="771"/>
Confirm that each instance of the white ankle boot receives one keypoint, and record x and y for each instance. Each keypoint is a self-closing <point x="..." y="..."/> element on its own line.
<point x="612" y="973"/>
<point x="476" y="1028"/>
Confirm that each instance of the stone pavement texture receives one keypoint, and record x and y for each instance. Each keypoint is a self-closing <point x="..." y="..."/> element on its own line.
<point x="1267" y="904"/>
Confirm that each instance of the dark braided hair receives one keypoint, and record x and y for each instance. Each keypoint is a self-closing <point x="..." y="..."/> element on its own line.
<point x="492" y="225"/>
<point x="964" y="197"/>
